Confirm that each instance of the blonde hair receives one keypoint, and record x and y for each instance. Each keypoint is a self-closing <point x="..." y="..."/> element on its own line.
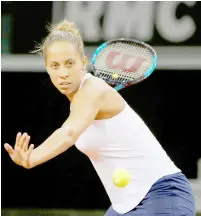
<point x="62" y="31"/>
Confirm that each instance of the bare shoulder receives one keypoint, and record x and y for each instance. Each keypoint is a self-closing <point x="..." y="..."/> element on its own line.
<point x="94" y="87"/>
<point x="98" y="99"/>
<point x="97" y="82"/>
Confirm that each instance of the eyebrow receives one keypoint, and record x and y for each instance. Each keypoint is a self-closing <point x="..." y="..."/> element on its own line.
<point x="52" y="61"/>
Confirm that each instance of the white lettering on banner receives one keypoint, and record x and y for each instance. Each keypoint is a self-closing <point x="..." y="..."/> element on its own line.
<point x="171" y="28"/>
<point x="86" y="16"/>
<point x="129" y="19"/>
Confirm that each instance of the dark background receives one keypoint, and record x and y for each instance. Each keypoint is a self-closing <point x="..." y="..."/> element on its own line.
<point x="169" y="102"/>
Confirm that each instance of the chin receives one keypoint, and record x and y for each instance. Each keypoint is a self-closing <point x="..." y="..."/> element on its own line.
<point x="67" y="91"/>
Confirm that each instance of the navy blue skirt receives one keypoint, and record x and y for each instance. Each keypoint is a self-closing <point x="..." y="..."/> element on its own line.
<point x="169" y="196"/>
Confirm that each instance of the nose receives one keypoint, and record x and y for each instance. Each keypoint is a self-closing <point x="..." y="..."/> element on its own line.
<point x="63" y="73"/>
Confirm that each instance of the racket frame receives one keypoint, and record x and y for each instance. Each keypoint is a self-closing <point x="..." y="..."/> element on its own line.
<point x="121" y="85"/>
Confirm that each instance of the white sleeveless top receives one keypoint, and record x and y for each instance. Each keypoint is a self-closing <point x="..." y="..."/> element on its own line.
<point x="124" y="141"/>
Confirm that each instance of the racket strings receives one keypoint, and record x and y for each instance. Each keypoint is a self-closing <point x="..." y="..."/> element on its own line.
<point x="130" y="52"/>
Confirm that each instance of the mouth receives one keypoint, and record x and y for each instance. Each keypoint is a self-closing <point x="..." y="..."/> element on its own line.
<point x="64" y="85"/>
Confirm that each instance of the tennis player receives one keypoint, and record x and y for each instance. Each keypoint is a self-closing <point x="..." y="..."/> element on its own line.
<point x="105" y="128"/>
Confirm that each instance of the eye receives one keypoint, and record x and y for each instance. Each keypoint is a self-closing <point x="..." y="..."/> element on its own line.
<point x="70" y="63"/>
<point x="54" y="66"/>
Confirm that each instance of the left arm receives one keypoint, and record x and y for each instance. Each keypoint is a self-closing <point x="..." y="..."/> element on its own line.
<point x="85" y="106"/>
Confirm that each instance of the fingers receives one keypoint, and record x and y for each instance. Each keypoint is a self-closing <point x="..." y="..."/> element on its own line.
<point x="21" y="144"/>
<point x="17" y="139"/>
<point x="22" y="141"/>
<point x="31" y="147"/>
<point x="8" y="148"/>
<point x="25" y="144"/>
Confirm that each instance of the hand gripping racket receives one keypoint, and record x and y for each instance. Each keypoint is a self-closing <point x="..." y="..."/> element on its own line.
<point x="123" y="62"/>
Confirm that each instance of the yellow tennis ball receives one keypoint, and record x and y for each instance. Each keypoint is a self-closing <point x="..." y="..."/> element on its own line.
<point x="121" y="177"/>
<point x="115" y="76"/>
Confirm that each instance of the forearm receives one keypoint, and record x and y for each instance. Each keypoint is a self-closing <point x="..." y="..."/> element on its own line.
<point x="54" y="145"/>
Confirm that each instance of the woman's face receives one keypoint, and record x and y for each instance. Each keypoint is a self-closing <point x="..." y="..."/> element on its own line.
<point x="65" y="66"/>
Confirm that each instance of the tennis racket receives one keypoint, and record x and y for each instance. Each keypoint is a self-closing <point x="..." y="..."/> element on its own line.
<point x="123" y="62"/>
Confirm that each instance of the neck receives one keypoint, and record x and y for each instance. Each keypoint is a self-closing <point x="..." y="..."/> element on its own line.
<point x="70" y="96"/>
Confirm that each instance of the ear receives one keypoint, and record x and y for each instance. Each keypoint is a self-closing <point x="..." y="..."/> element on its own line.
<point x="85" y="61"/>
